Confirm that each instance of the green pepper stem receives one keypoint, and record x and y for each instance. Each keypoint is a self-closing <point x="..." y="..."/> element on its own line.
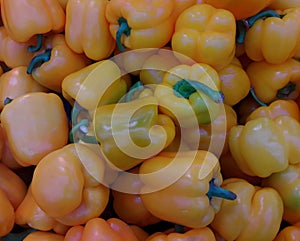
<point x="286" y="90"/>
<point x="133" y="89"/>
<point x="7" y="100"/>
<point x="184" y="88"/>
<point x="17" y="236"/>
<point x="244" y="24"/>
<point x="37" y="47"/>
<point x="256" y="98"/>
<point x="38" y="60"/>
<point x="123" y="29"/>
<point x="216" y="191"/>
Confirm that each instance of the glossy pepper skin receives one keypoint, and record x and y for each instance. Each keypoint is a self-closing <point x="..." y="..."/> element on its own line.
<point x="190" y="108"/>
<point x="30" y="215"/>
<point x="141" y="24"/>
<point x="287" y="184"/>
<point x="264" y="146"/>
<point x="289" y="233"/>
<point x="34" y="17"/>
<point x="75" y="193"/>
<point x="7" y="214"/>
<point x="239" y="9"/>
<point x="114" y="124"/>
<point x="97" y="84"/>
<point x="33" y="109"/>
<point x="205" y="34"/>
<point x="87" y="30"/>
<point x="100" y="229"/>
<point x="122" y="201"/>
<point x="277" y="108"/>
<point x="204" y="234"/>
<point x="57" y="61"/>
<point x="265" y="35"/>
<point x="186" y="201"/>
<point x="17" y="82"/>
<point x="44" y="235"/>
<point x="275" y="81"/>
<point x="256" y="212"/>
<point x="14" y="53"/>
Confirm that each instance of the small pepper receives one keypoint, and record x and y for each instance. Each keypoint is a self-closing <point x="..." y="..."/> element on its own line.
<point x="186" y="186"/>
<point x="256" y="213"/>
<point x="190" y="94"/>
<point x="275" y="81"/>
<point x="205" y="34"/>
<point x="41" y="119"/>
<point x="54" y="62"/>
<point x="87" y="30"/>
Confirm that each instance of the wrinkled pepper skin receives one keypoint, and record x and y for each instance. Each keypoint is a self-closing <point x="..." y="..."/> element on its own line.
<point x="17" y="82"/>
<point x="277" y="108"/>
<point x="150" y="23"/>
<point x="122" y="202"/>
<point x="41" y="119"/>
<point x="99" y="229"/>
<point x="74" y="192"/>
<point x="289" y="233"/>
<point x="34" y="17"/>
<point x="195" y="108"/>
<point x="87" y="30"/>
<point x="29" y="214"/>
<point x="14" y="53"/>
<point x="287" y="184"/>
<point x="205" y="34"/>
<point x="100" y="83"/>
<point x="264" y="37"/>
<point x="239" y="9"/>
<point x="7" y="214"/>
<point x="203" y="234"/>
<point x="62" y="62"/>
<point x="115" y="124"/>
<point x="275" y="81"/>
<point x="184" y="201"/>
<point x="256" y="212"/>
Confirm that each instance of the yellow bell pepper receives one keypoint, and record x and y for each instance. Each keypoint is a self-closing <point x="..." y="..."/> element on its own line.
<point x="287" y="184"/>
<point x="205" y="34"/>
<point x="17" y="82"/>
<point x="264" y="146"/>
<point x="274" y="38"/>
<point x="33" y="18"/>
<point x="63" y="187"/>
<point x="13" y="53"/>
<point x="97" y="84"/>
<point x="41" y="119"/>
<point x="54" y="62"/>
<point x="190" y="94"/>
<point x="275" y="81"/>
<point x="255" y="214"/>
<point x="87" y="30"/>
<point x="186" y="187"/>
<point x="141" y="24"/>
<point x="133" y="131"/>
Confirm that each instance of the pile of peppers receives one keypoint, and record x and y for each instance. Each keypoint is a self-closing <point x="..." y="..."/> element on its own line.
<point x="149" y="120"/>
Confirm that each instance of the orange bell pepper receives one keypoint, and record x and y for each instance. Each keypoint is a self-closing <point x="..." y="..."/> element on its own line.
<point x="99" y="229"/>
<point x="239" y="9"/>
<point x="29" y="214"/>
<point x="54" y="62"/>
<point x="87" y="30"/>
<point x="203" y="234"/>
<point x="41" y="119"/>
<point x="7" y="214"/>
<point x="17" y="82"/>
<point x="14" y="53"/>
<point x="245" y="107"/>
<point x="67" y="185"/>
<point x="34" y="18"/>
<point x="275" y="81"/>
<point x="205" y="34"/>
<point x="43" y="235"/>
<point x="141" y="24"/>
<point x="289" y="233"/>
<point x="140" y="233"/>
<point x="284" y="4"/>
